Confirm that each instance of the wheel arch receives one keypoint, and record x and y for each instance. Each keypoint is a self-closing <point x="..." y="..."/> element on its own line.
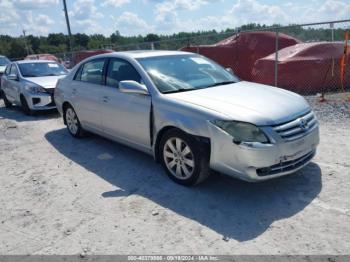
<point x="204" y="142"/>
<point x="21" y="95"/>
<point x="65" y="105"/>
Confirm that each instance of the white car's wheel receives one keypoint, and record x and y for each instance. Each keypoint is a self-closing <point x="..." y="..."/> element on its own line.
<point x="25" y="106"/>
<point x="182" y="158"/>
<point x="7" y="103"/>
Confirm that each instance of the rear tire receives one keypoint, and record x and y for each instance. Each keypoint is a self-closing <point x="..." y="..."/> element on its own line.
<point x="25" y="107"/>
<point x="182" y="158"/>
<point x="73" y="123"/>
<point x="7" y="103"/>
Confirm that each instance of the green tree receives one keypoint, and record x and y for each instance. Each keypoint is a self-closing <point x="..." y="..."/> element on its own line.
<point x="81" y="40"/>
<point x="56" y="39"/>
<point x="17" y="49"/>
<point x="151" y="38"/>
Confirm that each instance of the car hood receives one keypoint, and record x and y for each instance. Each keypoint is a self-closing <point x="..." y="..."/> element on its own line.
<point x="249" y="102"/>
<point x="2" y="69"/>
<point x="45" y="81"/>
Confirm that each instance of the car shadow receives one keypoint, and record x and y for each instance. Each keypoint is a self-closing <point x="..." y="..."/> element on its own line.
<point x="15" y="113"/>
<point x="233" y="208"/>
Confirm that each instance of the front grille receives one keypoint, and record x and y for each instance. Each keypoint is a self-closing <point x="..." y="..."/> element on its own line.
<point x="52" y="100"/>
<point x="286" y="165"/>
<point x="296" y="128"/>
<point x="50" y="90"/>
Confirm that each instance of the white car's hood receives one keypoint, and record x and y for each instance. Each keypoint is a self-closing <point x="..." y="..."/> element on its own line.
<point x="45" y="81"/>
<point x="250" y="102"/>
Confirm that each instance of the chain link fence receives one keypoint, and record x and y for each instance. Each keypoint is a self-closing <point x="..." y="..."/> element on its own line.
<point x="315" y="64"/>
<point x="308" y="59"/>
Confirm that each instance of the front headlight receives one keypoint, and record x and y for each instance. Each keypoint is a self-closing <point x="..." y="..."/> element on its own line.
<point x="35" y="89"/>
<point x="241" y="131"/>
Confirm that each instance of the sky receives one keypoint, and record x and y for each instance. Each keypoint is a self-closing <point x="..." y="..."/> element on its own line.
<point x="133" y="17"/>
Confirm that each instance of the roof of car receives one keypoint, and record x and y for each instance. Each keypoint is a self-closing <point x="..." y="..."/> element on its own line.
<point x="34" y="61"/>
<point x="35" y="55"/>
<point x="145" y="53"/>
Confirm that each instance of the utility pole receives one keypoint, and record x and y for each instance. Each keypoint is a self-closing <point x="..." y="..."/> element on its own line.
<point x="68" y="25"/>
<point x="25" y="41"/>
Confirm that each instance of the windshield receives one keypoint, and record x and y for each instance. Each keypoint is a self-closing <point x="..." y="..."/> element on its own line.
<point x="4" y="61"/>
<point x="179" y="73"/>
<point x="42" y="69"/>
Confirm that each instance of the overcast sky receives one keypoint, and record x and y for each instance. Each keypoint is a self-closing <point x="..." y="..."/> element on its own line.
<point x="132" y="17"/>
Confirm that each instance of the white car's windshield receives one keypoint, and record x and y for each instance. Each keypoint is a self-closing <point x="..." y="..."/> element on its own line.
<point x="185" y="72"/>
<point x="4" y="61"/>
<point x="42" y="69"/>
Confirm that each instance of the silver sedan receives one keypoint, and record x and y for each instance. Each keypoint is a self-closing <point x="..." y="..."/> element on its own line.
<point x="191" y="114"/>
<point x="31" y="84"/>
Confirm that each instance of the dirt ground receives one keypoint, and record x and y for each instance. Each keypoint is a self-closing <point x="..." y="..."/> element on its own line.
<point x="60" y="195"/>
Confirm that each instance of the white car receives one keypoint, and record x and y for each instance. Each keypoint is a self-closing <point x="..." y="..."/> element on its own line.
<point x="31" y="84"/>
<point x="3" y="63"/>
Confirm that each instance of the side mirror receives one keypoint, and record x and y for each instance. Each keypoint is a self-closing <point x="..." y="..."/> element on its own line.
<point x="12" y="77"/>
<point x="132" y="87"/>
<point x="228" y="69"/>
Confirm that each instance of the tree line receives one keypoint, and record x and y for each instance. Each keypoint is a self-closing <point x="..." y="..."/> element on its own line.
<point x="58" y="43"/>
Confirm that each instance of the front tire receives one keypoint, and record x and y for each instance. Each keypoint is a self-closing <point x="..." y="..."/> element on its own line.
<point x="7" y="103"/>
<point x="73" y="123"/>
<point x="182" y="158"/>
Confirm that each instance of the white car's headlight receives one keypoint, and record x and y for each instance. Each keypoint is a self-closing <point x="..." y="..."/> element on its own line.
<point x="241" y="131"/>
<point x="35" y="89"/>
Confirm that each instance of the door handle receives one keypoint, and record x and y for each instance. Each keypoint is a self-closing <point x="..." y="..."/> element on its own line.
<point x="105" y="99"/>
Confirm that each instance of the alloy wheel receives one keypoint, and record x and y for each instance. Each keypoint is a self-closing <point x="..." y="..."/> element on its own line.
<point x="72" y="121"/>
<point x="178" y="158"/>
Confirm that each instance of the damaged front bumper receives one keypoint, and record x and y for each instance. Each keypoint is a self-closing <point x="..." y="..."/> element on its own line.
<point x="41" y="101"/>
<point x="258" y="162"/>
